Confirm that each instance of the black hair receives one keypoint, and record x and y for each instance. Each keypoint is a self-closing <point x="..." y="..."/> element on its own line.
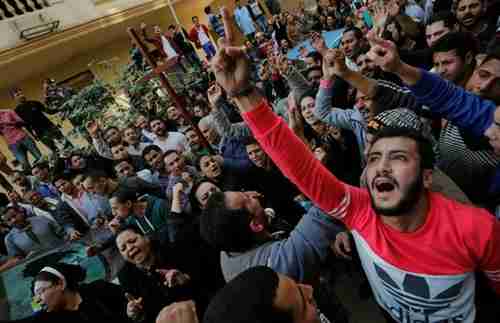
<point x="170" y="152"/>
<point x="192" y="18"/>
<point x="95" y="174"/>
<point x="149" y="149"/>
<point x="62" y="176"/>
<point x="492" y="50"/>
<point x="447" y="17"/>
<point x="124" y="195"/>
<point x="73" y="275"/>
<point x="424" y="146"/>
<point x="171" y="27"/>
<point x="154" y="119"/>
<point x="119" y="161"/>
<point x="357" y="32"/>
<point x="111" y="128"/>
<point x="118" y="143"/>
<point x="313" y="69"/>
<point x="461" y="42"/>
<point x="207" y="9"/>
<point x="315" y="55"/>
<point x="247" y="141"/>
<point x="41" y="165"/>
<point x="309" y="93"/>
<point x="225" y="229"/>
<point x="129" y="227"/>
<point x="248" y="298"/>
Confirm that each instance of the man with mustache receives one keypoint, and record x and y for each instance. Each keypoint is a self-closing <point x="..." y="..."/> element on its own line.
<point x="469" y="14"/>
<point x="418" y="249"/>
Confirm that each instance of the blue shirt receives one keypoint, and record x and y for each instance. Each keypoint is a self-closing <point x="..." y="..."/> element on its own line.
<point x="244" y="20"/>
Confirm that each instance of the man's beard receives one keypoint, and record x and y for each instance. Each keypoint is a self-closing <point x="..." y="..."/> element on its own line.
<point x="411" y="195"/>
<point x="160" y="132"/>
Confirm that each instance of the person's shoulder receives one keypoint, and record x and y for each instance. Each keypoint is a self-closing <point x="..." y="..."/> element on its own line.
<point x="37" y="219"/>
<point x="465" y="216"/>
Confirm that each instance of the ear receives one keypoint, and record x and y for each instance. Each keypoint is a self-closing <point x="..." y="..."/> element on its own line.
<point x="256" y="226"/>
<point x="129" y="204"/>
<point x="427" y="177"/>
<point x="469" y="57"/>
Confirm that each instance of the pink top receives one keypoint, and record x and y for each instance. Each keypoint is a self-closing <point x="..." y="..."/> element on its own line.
<point x="9" y="127"/>
<point x="424" y="276"/>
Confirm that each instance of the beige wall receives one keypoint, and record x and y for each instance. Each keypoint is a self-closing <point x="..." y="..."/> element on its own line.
<point x="289" y="4"/>
<point x="78" y="63"/>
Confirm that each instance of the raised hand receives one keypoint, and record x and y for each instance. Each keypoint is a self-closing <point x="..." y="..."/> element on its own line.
<point x="93" y="128"/>
<point x="182" y="312"/>
<point x="230" y="64"/>
<point x="342" y="245"/>
<point x="380" y="14"/>
<point x="280" y="63"/>
<point x="334" y="64"/>
<point x="114" y="225"/>
<point x="214" y="94"/>
<point x="134" y="306"/>
<point x="173" y="277"/>
<point x="143" y="25"/>
<point x="318" y="43"/>
<point x="75" y="235"/>
<point x="384" y="53"/>
<point x="295" y="120"/>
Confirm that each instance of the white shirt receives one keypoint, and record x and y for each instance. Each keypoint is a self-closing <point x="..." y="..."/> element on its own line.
<point x="147" y="176"/>
<point x="137" y="151"/>
<point x="175" y="141"/>
<point x="255" y="9"/>
<point x="351" y="65"/>
<point x="203" y="38"/>
<point x="148" y="134"/>
<point x="167" y="48"/>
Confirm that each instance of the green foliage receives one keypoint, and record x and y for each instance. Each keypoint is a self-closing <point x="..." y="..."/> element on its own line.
<point x="88" y="104"/>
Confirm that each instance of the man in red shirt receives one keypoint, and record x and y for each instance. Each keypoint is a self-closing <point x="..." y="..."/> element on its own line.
<point x="200" y="37"/>
<point x="419" y="249"/>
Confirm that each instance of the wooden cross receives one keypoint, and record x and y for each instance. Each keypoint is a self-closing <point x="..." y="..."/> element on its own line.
<point x="158" y="72"/>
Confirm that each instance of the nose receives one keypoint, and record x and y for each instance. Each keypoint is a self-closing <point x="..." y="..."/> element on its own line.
<point x="440" y="69"/>
<point x="490" y="133"/>
<point x="384" y="166"/>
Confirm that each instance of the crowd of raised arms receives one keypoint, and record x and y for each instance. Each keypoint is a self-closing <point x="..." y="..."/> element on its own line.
<point x="381" y="151"/>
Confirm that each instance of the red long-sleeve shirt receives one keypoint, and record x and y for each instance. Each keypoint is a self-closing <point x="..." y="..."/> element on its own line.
<point x="422" y="276"/>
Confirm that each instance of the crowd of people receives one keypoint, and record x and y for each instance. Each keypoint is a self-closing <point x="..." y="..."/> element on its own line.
<point x="382" y="153"/>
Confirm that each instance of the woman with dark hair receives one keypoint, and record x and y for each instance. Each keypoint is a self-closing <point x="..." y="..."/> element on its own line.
<point x="157" y="274"/>
<point x="59" y="290"/>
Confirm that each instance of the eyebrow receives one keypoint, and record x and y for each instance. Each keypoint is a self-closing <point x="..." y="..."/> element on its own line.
<point x="391" y="152"/>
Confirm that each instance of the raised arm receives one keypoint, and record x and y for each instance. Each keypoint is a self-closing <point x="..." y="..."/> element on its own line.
<point x="323" y="110"/>
<point x="145" y="34"/>
<point x="288" y="152"/>
<point x="222" y="123"/>
<point x="453" y="103"/>
<point x="307" y="247"/>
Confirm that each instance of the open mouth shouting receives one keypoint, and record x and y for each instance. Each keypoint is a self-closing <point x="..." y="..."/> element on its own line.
<point x="383" y="186"/>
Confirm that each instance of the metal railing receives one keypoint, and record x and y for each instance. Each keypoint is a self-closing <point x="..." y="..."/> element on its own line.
<point x="16" y="8"/>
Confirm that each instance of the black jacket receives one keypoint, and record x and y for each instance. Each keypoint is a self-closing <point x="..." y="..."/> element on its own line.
<point x="35" y="120"/>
